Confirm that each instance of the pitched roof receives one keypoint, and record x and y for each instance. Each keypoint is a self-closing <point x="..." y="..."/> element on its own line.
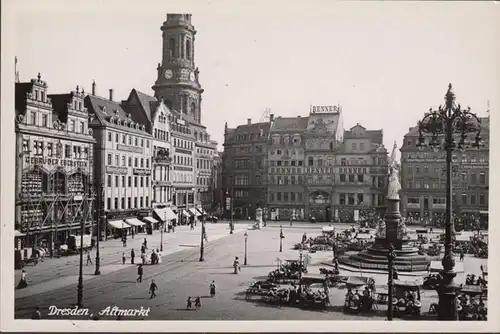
<point x="376" y="136"/>
<point x="148" y="103"/>
<point x="105" y="109"/>
<point x="289" y="124"/>
<point x="60" y="104"/>
<point x="323" y="122"/>
<point x="253" y="128"/>
<point x="21" y="89"/>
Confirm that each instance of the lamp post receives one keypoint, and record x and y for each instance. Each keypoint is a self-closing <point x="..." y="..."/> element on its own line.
<point x="446" y="122"/>
<point x="390" y="283"/>
<point x="202" y="244"/>
<point x="161" y="231"/>
<point x="79" y="293"/>
<point x="100" y="219"/>
<point x="246" y="239"/>
<point x="301" y="253"/>
<point x="282" y="236"/>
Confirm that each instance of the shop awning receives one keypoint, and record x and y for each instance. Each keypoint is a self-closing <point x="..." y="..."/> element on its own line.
<point x="134" y="222"/>
<point x="165" y="213"/>
<point x="194" y="212"/>
<point x="203" y="212"/>
<point x="150" y="220"/>
<point x="186" y="214"/>
<point x="19" y="233"/>
<point x="200" y="212"/>
<point x="119" y="224"/>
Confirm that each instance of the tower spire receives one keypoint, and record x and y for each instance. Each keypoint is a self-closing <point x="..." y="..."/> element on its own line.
<point x="16" y="72"/>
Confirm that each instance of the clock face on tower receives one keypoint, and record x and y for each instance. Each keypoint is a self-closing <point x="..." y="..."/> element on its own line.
<point x="191" y="76"/>
<point x="169" y="74"/>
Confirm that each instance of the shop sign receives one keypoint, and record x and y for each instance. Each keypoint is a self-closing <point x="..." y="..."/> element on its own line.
<point x="132" y="149"/>
<point x="57" y="162"/>
<point x="320" y="170"/>
<point x="353" y="170"/>
<point x="413" y="205"/>
<point x="116" y="170"/>
<point x="323" y="109"/>
<point x="141" y="171"/>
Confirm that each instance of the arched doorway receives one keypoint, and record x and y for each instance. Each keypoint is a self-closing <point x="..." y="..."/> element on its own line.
<point x="319" y="205"/>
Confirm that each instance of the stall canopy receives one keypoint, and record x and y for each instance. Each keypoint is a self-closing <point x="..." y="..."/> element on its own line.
<point x="134" y="222"/>
<point x="194" y="212"/>
<point x="185" y="214"/>
<point x="200" y="212"/>
<point x="327" y="228"/>
<point x="165" y="213"/>
<point x="119" y="224"/>
<point x="150" y="220"/>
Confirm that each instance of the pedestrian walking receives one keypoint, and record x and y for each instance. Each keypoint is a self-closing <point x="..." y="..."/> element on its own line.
<point x="145" y="243"/>
<point x="143" y="249"/>
<point x="89" y="258"/>
<point x="152" y="289"/>
<point x="132" y="256"/>
<point x="189" y="303"/>
<point x="36" y="314"/>
<point x="123" y="258"/>
<point x="461" y="255"/>
<point x="140" y="272"/>
<point x="212" y="289"/>
<point x="143" y="257"/>
<point x="197" y="303"/>
<point x="192" y="226"/>
<point x="236" y="265"/>
<point x="23" y="282"/>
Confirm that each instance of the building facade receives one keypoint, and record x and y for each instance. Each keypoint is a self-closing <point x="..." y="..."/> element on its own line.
<point x="217" y="185"/>
<point x="361" y="173"/>
<point x="122" y="157"/>
<point x="205" y="151"/>
<point x="244" y="170"/>
<point x="286" y="156"/>
<point x="54" y="165"/>
<point x="423" y="178"/>
<point x="323" y="136"/>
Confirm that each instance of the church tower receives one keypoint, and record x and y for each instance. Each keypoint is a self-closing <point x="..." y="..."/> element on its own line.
<point x="177" y="82"/>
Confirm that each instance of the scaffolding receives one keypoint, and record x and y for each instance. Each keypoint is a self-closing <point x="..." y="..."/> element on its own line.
<point x="266" y="116"/>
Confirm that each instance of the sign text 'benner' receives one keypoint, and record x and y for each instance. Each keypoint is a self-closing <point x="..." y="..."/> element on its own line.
<point x="324" y="109"/>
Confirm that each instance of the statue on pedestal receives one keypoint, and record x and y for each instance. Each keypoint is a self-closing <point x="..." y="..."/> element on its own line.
<point x="394" y="186"/>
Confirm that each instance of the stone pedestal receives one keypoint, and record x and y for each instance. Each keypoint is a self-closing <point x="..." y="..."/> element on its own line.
<point x="375" y="258"/>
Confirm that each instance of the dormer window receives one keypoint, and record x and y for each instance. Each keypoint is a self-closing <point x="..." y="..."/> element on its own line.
<point x="42" y="96"/>
<point x="36" y="95"/>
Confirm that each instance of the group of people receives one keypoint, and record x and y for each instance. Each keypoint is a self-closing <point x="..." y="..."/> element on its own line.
<point x="155" y="256"/>
<point x="357" y="301"/>
<point x="197" y="301"/>
<point x="471" y="308"/>
<point x="410" y="302"/>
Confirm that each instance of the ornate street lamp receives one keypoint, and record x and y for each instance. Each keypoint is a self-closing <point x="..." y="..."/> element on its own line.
<point x="447" y="122"/>
<point x="246" y="240"/>
<point x="79" y="289"/>
<point x="390" y="281"/>
<point x="100" y="219"/>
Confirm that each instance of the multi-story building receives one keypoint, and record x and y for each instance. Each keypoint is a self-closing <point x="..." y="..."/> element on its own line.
<point x="245" y="168"/>
<point x="178" y="85"/>
<point x="360" y="174"/>
<point x="423" y="178"/>
<point x="122" y="163"/>
<point x="323" y="137"/>
<point x="286" y="168"/>
<point x="155" y="115"/>
<point x="54" y="165"/>
<point x="216" y="184"/>
<point x="204" y="155"/>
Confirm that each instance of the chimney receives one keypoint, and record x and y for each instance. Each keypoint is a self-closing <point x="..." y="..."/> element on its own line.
<point x="93" y="87"/>
<point x="111" y="94"/>
<point x="249" y="121"/>
<point x="271" y="117"/>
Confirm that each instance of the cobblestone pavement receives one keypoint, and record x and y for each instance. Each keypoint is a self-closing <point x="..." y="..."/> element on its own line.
<point x="182" y="275"/>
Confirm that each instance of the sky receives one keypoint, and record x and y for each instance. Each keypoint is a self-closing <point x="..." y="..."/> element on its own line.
<point x="386" y="63"/>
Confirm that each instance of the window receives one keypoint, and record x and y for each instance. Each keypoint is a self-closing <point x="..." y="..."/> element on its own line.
<point x="135" y="202"/>
<point x="473" y="199"/>
<point x="417" y="184"/>
<point x="109" y="180"/>
<point x="417" y="169"/>
<point x="67" y="149"/>
<point x="124" y="139"/>
<point x="33" y="118"/>
<point x="482" y="178"/>
<point x="116" y="137"/>
<point x="116" y="203"/>
<point x="426" y="185"/>
<point x="147" y="143"/>
<point x="124" y="161"/>
<point x="116" y="181"/>
<point x="360" y="178"/>
<point x="350" y="199"/>
<point x="72" y="126"/>
<point x="285" y="197"/>
<point x="482" y="200"/>
<point x="130" y="182"/>
<point x="361" y="146"/>
<point x="135" y="181"/>
<point x="360" y="198"/>
<point x="464" y="176"/>
<point x="354" y="146"/>
<point x="464" y="198"/>
<point x="110" y="136"/>
<point x="45" y="120"/>
<point x="426" y="169"/>
<point x="147" y="163"/>
<point x="473" y="178"/>
<point x="129" y="200"/>
<point x="408" y="184"/>
<point x="82" y="127"/>
<point x="410" y="169"/>
<point x="136" y="162"/>
<point x="109" y="203"/>
<point x="142" y="181"/>
<point x="123" y="181"/>
<point x="342" y="177"/>
<point x="351" y="178"/>
<point x="130" y="140"/>
<point x="117" y="160"/>
<point x="130" y="161"/>
<point x="343" y="162"/>
<point x="278" y="196"/>
<point x="147" y="181"/>
<point x="147" y="201"/>
<point x="342" y="199"/>
<point x="142" y="162"/>
<point x="310" y="161"/>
